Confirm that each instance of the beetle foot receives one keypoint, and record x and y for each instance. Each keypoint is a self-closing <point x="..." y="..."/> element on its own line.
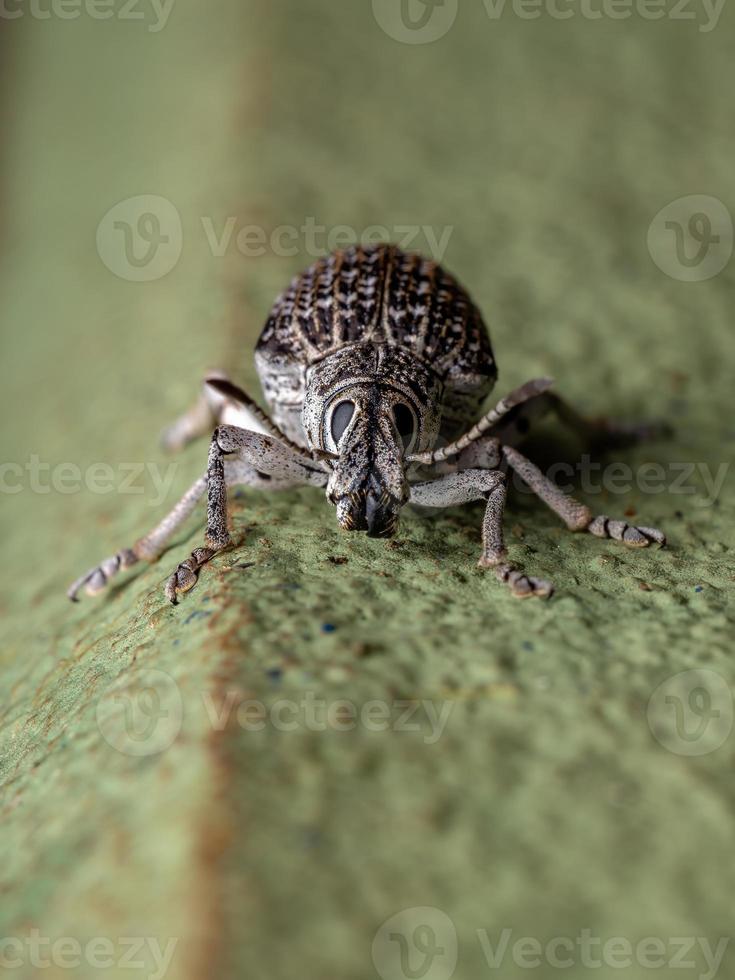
<point x="524" y="586"/>
<point x="97" y="579"/>
<point x="187" y="573"/>
<point x="633" y="537"/>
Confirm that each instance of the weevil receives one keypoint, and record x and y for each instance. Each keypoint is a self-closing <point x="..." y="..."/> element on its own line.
<point x="376" y="365"/>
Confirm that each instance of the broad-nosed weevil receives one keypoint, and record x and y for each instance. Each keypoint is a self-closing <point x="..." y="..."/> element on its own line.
<point x="375" y="365"/>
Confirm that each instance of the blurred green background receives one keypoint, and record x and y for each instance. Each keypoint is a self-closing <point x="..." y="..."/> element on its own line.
<point x="562" y="769"/>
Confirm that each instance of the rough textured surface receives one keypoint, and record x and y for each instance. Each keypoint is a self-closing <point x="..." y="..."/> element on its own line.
<point x="546" y="806"/>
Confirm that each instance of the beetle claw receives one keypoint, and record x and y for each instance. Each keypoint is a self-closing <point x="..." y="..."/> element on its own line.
<point x="186" y="575"/>
<point x="524" y="586"/>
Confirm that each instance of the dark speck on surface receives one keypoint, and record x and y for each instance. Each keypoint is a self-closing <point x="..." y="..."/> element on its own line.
<point x="328" y="627"/>
<point x="274" y="674"/>
<point x="312" y="837"/>
<point x="197" y="614"/>
<point x="527" y="645"/>
<point x="699" y="588"/>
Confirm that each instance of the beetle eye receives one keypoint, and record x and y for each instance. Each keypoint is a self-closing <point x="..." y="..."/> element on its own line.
<point x="341" y="418"/>
<point x="404" y="423"/>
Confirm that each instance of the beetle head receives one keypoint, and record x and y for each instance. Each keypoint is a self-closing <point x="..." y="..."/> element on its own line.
<point x="369" y="428"/>
<point x="368" y="410"/>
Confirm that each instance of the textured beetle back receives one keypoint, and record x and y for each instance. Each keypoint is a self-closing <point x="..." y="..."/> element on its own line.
<point x="379" y="295"/>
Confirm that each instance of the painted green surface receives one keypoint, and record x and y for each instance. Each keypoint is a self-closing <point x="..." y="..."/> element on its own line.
<point x="545" y="805"/>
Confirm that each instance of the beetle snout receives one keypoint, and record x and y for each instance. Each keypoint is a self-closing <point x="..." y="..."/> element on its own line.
<point x="381" y="515"/>
<point x="374" y="512"/>
<point x="350" y="513"/>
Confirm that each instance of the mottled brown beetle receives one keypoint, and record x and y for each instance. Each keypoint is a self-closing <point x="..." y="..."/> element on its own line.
<point x="375" y="365"/>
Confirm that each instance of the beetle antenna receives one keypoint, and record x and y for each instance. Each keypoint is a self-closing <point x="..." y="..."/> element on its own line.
<point x="523" y="394"/>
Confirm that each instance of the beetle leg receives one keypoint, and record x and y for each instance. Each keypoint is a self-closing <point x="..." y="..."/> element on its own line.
<point x="603" y="433"/>
<point x="197" y="421"/>
<point x="489" y="485"/>
<point x="220" y="403"/>
<point x="577" y="516"/>
<point x="258" y="453"/>
<point x="483" y="454"/>
<point x="147" y="548"/>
